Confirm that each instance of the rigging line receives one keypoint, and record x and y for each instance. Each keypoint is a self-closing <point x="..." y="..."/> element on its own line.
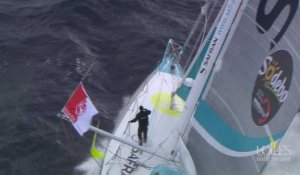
<point x="127" y="128"/>
<point x="199" y="18"/>
<point x="143" y="91"/>
<point x="152" y="156"/>
<point x="156" y="119"/>
<point x="160" y="148"/>
<point x="194" y="28"/>
<point x="173" y="88"/>
<point x="116" y="155"/>
<point x="162" y="142"/>
<point x="96" y="161"/>
<point x="164" y="81"/>
<point x="197" y="41"/>
<point x="217" y="18"/>
<point x="171" y="85"/>
<point x="104" y="133"/>
<point x="195" y="46"/>
<point x="119" y="139"/>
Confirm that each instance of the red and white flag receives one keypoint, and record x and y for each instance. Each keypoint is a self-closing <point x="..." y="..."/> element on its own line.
<point x="80" y="109"/>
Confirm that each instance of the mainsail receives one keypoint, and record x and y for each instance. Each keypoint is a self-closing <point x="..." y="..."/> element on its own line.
<point x="252" y="93"/>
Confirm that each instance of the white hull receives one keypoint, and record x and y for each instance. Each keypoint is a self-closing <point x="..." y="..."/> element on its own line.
<point x="163" y="130"/>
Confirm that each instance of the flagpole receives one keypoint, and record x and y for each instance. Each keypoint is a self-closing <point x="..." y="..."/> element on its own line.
<point x="107" y="134"/>
<point x="87" y="72"/>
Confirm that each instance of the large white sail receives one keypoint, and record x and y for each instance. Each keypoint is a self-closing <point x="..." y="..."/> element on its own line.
<point x="252" y="94"/>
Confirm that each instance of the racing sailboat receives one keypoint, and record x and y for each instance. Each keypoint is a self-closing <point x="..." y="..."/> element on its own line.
<point x="233" y="102"/>
<point x="124" y="155"/>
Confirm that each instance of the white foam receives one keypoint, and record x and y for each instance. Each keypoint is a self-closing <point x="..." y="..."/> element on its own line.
<point x="90" y="167"/>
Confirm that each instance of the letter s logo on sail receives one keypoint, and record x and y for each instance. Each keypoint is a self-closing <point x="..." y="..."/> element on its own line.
<point x="271" y="86"/>
<point x="265" y="21"/>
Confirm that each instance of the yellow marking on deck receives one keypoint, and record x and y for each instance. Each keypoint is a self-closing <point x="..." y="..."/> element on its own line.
<point x="162" y="102"/>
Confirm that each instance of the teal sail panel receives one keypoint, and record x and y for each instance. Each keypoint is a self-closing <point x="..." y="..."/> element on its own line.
<point x="225" y="134"/>
<point x="183" y="91"/>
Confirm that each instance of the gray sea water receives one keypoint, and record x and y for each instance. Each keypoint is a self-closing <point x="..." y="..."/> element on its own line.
<point x="46" y="46"/>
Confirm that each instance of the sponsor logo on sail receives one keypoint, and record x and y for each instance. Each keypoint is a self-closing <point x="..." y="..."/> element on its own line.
<point x="271" y="86"/>
<point x="207" y="59"/>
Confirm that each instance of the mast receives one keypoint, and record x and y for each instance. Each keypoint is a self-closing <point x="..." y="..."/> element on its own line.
<point x="210" y="33"/>
<point x="210" y="57"/>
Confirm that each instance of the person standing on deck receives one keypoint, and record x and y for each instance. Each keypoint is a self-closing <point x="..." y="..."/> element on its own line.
<point x="143" y="119"/>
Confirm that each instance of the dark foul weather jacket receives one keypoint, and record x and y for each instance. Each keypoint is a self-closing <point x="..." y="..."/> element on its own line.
<point x="142" y="117"/>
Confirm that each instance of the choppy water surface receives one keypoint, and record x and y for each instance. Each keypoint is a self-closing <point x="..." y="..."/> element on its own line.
<point x="46" y="46"/>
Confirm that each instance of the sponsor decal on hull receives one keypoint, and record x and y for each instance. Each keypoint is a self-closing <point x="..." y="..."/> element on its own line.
<point x="132" y="162"/>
